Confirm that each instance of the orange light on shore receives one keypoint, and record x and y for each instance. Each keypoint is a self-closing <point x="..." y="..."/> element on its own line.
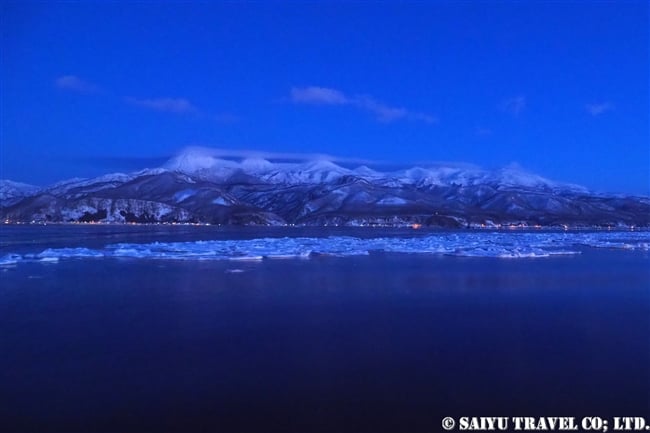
<point x="416" y="226"/>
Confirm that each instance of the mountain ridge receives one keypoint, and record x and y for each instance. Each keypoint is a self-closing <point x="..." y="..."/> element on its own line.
<point x="199" y="187"/>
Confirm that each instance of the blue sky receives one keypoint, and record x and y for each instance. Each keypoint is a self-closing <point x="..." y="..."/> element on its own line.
<point x="560" y="88"/>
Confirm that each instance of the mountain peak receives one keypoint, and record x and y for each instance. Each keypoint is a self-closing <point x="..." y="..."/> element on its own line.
<point x="196" y="159"/>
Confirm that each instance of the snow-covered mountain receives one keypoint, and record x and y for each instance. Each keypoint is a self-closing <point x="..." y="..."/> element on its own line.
<point x="202" y="164"/>
<point x="198" y="163"/>
<point x="197" y="186"/>
<point x="12" y="192"/>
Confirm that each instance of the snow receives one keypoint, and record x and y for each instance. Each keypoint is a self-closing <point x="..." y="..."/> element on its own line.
<point x="256" y="165"/>
<point x="319" y="171"/>
<point x="438" y="175"/>
<point x="510" y="176"/>
<point x="183" y="195"/>
<point x="194" y="160"/>
<point x="392" y="201"/>
<point x="11" y="191"/>
<point x="94" y="184"/>
<point x="367" y="172"/>
<point x="203" y="164"/>
<point x="68" y="214"/>
<point x="221" y="201"/>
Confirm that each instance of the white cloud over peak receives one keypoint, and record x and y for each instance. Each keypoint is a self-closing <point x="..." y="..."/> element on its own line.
<point x="316" y="95"/>
<point x="213" y="152"/>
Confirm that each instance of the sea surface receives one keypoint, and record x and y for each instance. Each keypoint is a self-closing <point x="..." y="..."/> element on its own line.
<point x="184" y="328"/>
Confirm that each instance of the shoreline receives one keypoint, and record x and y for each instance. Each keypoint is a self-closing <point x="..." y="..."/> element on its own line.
<point x="471" y="227"/>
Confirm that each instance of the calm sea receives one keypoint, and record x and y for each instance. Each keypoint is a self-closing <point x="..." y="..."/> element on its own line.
<point x="120" y="328"/>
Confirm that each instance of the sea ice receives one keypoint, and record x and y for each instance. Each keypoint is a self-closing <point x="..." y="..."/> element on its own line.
<point x="463" y="244"/>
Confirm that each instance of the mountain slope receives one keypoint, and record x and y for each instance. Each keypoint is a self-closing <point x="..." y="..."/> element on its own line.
<point x="12" y="192"/>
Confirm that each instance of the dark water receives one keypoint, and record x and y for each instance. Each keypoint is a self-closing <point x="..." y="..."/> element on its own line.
<point x="385" y="342"/>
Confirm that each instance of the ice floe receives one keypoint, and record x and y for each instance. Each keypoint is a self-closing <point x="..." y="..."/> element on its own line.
<point x="461" y="244"/>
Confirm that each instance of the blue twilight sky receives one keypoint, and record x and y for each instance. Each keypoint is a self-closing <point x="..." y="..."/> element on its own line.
<point x="560" y="88"/>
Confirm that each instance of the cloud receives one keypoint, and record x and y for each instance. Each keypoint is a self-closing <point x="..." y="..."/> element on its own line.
<point x="599" y="108"/>
<point x="315" y="95"/>
<point x="170" y="105"/>
<point x="75" y="84"/>
<point x="271" y="156"/>
<point x="241" y="154"/>
<point x="514" y="105"/>
<point x="139" y="162"/>
<point x="181" y="106"/>
<point x="318" y="95"/>
<point x="383" y="112"/>
<point x="163" y="104"/>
